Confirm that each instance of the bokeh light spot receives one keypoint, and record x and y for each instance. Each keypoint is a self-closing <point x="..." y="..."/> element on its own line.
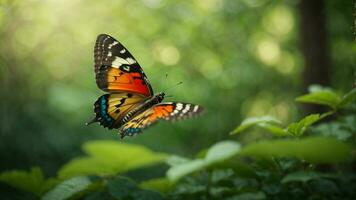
<point x="152" y="3"/>
<point x="286" y="64"/>
<point x="210" y="65"/>
<point x="169" y="55"/>
<point x="268" y="51"/>
<point x="279" y="21"/>
<point x="210" y="5"/>
<point x="165" y="53"/>
<point x="259" y="105"/>
<point x="281" y="111"/>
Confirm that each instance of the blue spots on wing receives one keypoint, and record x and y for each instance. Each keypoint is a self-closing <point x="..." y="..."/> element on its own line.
<point x="131" y="132"/>
<point x="106" y="119"/>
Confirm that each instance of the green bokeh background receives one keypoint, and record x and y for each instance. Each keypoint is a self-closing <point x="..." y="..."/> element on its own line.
<point x="236" y="58"/>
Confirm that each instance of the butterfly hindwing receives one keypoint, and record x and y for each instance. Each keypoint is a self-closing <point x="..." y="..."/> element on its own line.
<point x="117" y="70"/>
<point x="169" y="111"/>
<point x="111" y="109"/>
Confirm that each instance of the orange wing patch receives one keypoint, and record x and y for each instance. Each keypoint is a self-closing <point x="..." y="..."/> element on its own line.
<point x="161" y="112"/>
<point x="118" y="80"/>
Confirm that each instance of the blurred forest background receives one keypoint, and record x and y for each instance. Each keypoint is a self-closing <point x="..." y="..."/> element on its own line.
<point x="236" y="58"/>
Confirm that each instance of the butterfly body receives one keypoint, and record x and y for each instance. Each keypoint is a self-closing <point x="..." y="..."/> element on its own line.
<point x="144" y="106"/>
<point x="130" y="104"/>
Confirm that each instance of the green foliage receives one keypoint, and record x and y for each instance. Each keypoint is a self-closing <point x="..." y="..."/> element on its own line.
<point x="215" y="155"/>
<point x="32" y="181"/>
<point x="329" y="98"/>
<point x="317" y="165"/>
<point x="68" y="188"/>
<point x="322" y="97"/>
<point x="260" y="121"/>
<point x="109" y="158"/>
<point x="158" y="184"/>
<point x="348" y="98"/>
<point x="273" y="125"/>
<point x="97" y="188"/>
<point x="298" y="128"/>
<point x="343" y="129"/>
<point x="311" y="149"/>
<point x="303" y="176"/>
<point x="105" y="159"/>
<point x="121" y="188"/>
<point x="318" y="95"/>
<point x="283" y="168"/>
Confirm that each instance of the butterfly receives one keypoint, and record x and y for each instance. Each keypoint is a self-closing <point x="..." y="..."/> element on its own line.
<point x="130" y="104"/>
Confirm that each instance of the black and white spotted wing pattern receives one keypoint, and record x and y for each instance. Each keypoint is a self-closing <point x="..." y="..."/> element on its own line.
<point x="116" y="69"/>
<point x="170" y="111"/>
<point x="180" y="110"/>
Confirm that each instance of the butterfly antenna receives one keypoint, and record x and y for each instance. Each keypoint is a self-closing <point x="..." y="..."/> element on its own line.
<point x="165" y="77"/>
<point x="173" y="86"/>
<point x="169" y="96"/>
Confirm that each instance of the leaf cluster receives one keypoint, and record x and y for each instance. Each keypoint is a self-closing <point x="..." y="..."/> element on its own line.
<point x="306" y="159"/>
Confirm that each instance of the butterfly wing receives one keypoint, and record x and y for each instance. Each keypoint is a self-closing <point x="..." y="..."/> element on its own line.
<point x="111" y="109"/>
<point x="169" y="111"/>
<point x="116" y="70"/>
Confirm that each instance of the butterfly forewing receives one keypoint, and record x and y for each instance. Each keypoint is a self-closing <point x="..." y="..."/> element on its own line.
<point x="170" y="111"/>
<point x="117" y="70"/>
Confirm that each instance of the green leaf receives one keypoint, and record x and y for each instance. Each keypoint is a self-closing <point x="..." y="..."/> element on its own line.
<point x="239" y="168"/>
<point x="159" y="184"/>
<point x="147" y="172"/>
<point x="222" y="151"/>
<point x="312" y="149"/>
<point x="108" y="158"/>
<point x="218" y="153"/>
<point x="348" y="98"/>
<point x="177" y="172"/>
<point x="249" y="122"/>
<point x="50" y="184"/>
<point x="275" y="130"/>
<point x="85" y="166"/>
<point x="218" y="156"/>
<point x="146" y="195"/>
<point x="176" y="160"/>
<point x="32" y="181"/>
<point x="298" y="128"/>
<point x="316" y="88"/>
<point x="121" y="188"/>
<point x="201" y="153"/>
<point x="68" y="188"/>
<point x="221" y="175"/>
<point x="321" y="97"/>
<point x="302" y="176"/>
<point x="327" y="187"/>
